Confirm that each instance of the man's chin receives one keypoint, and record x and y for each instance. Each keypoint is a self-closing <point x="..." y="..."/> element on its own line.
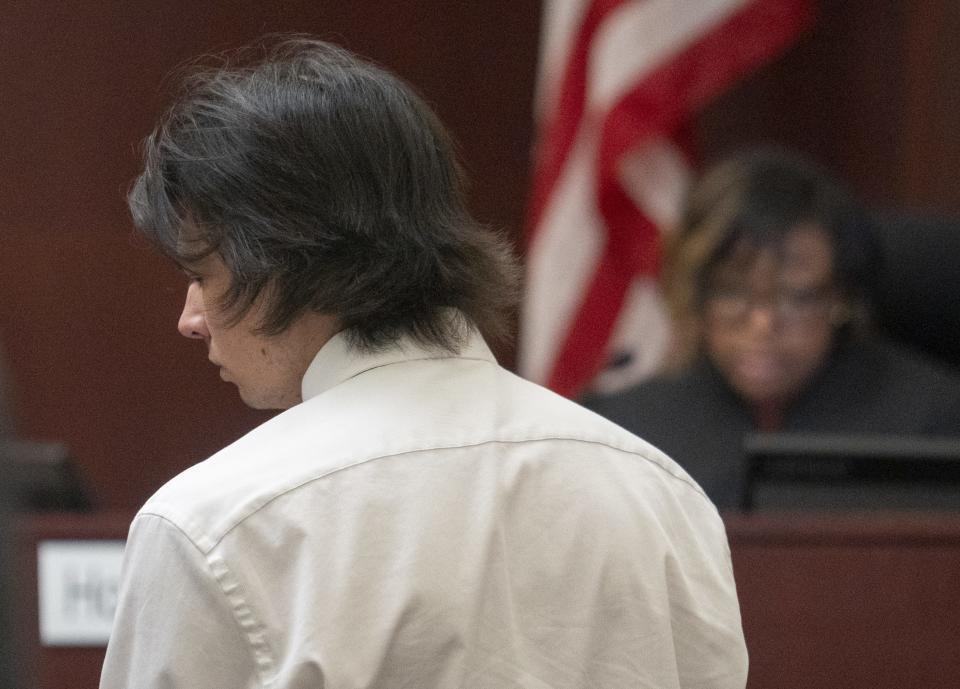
<point x="263" y="402"/>
<point x="248" y="397"/>
<point x="252" y="401"/>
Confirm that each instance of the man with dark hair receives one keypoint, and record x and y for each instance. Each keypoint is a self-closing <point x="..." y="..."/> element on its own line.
<point x="417" y="516"/>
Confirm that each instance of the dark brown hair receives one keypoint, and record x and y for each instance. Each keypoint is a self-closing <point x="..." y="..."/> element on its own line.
<point x="756" y="199"/>
<point x="326" y="184"/>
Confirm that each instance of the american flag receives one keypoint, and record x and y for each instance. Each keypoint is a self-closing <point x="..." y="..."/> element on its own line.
<point x="619" y="80"/>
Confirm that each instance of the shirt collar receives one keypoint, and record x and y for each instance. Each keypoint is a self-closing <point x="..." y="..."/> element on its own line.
<point x="338" y="361"/>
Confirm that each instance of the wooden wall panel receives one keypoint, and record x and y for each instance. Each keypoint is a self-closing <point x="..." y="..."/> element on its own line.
<point x="848" y="601"/>
<point x="87" y="312"/>
<point x="931" y="136"/>
<point x="831" y="601"/>
<point x="871" y="91"/>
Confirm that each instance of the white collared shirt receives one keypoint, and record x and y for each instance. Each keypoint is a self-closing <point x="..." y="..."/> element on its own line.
<point x="428" y="521"/>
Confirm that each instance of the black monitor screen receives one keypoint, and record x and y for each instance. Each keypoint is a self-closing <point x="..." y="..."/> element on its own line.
<point x="815" y="470"/>
<point x="40" y="477"/>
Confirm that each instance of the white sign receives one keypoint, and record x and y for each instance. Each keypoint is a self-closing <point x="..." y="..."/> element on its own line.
<point x="77" y="586"/>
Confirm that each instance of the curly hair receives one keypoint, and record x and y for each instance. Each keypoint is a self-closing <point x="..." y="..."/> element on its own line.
<point x="326" y="184"/>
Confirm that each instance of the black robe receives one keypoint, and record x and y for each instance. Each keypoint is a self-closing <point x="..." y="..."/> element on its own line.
<point x="865" y="387"/>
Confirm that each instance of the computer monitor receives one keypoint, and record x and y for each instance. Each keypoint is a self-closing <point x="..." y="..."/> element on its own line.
<point x="851" y="471"/>
<point x="10" y="647"/>
<point x="37" y="476"/>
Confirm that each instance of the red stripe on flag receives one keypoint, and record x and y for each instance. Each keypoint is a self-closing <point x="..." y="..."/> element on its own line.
<point x="658" y="105"/>
<point x="553" y="146"/>
<point x="580" y="358"/>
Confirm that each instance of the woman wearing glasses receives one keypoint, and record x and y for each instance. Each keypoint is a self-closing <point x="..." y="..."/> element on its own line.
<point x="769" y="279"/>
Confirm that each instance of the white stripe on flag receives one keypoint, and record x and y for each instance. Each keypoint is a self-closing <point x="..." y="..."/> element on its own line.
<point x="560" y="263"/>
<point x="570" y="237"/>
<point x="641" y="36"/>
<point x="647" y="62"/>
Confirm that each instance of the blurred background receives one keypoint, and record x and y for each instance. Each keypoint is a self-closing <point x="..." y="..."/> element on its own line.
<point x="88" y="312"/>
<point x="869" y="88"/>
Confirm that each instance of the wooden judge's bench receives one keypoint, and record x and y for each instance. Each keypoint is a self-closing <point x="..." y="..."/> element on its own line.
<point x="829" y="601"/>
<point x="849" y="601"/>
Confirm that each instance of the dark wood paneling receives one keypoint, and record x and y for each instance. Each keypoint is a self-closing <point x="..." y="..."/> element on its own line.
<point x="87" y="312"/>
<point x="828" y="600"/>
<point x="61" y="667"/>
<point x="837" y="95"/>
<point x="871" y="91"/>
<point x="849" y="601"/>
<point x="931" y="137"/>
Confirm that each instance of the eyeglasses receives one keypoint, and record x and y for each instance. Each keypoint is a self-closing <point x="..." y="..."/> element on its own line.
<point x="790" y="306"/>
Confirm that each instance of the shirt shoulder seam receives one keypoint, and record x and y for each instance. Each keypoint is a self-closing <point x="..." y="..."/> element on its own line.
<point x="249" y="627"/>
<point x="453" y="446"/>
